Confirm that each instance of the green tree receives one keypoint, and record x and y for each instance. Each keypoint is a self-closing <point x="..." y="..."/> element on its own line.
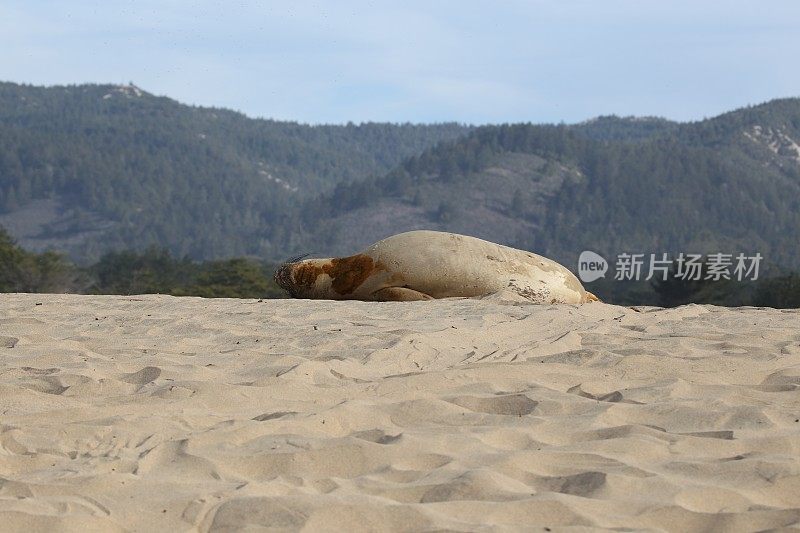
<point x="780" y="292"/>
<point x="675" y="291"/>
<point x="12" y="264"/>
<point x="152" y="271"/>
<point x="447" y="211"/>
<point x="233" y="278"/>
<point x="517" y="204"/>
<point x="23" y="271"/>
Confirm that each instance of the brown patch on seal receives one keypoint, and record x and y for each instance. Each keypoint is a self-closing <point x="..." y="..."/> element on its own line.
<point x="348" y="273"/>
<point x="305" y="275"/>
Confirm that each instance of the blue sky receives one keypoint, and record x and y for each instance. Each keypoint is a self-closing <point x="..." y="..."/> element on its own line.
<point x="418" y="61"/>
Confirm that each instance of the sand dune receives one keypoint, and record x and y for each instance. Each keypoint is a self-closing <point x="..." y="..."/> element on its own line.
<point x="159" y="413"/>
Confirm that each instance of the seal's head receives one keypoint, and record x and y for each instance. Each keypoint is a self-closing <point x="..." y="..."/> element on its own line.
<point x="283" y="277"/>
<point x="333" y="278"/>
<point x="298" y="277"/>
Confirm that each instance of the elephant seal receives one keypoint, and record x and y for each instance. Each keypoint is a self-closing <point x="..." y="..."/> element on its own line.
<point x="423" y="265"/>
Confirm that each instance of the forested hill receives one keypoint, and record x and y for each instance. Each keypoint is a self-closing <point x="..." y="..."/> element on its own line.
<point x="91" y="168"/>
<point x="728" y="184"/>
<point x="88" y="168"/>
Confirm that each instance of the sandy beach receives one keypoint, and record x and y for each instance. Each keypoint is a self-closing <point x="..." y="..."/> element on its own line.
<point x="150" y="413"/>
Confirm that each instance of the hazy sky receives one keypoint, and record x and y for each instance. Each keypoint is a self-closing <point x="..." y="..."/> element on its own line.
<point x="419" y="61"/>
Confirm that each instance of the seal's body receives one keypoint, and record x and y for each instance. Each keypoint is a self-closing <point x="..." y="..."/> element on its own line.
<point x="422" y="265"/>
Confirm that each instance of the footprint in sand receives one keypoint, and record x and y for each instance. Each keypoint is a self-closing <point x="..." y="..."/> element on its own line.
<point x="781" y="381"/>
<point x="506" y="404"/>
<point x="8" y="342"/>
<point x="377" y="436"/>
<point x="143" y="376"/>
<point x="273" y="416"/>
<point x="583" y="484"/>
<point x="612" y="397"/>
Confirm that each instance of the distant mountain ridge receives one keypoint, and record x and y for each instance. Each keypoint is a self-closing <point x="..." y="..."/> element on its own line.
<point x="727" y="184"/>
<point x="89" y="168"/>
<point x="93" y="168"/>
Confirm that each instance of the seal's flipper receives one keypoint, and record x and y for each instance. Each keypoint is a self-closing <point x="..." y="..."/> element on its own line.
<point x="399" y="294"/>
<point x="590" y="298"/>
